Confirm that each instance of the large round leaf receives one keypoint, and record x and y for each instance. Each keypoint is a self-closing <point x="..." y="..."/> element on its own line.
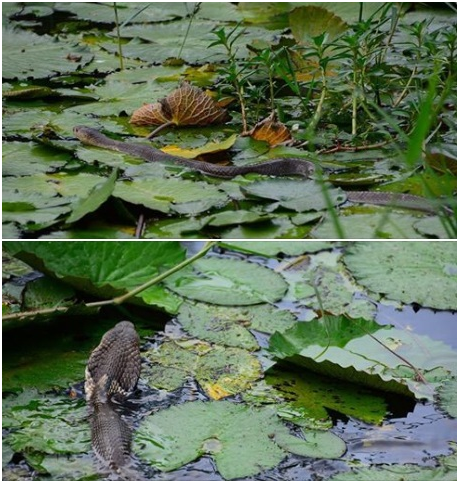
<point x="242" y="440"/>
<point x="424" y="273"/>
<point x="228" y="282"/>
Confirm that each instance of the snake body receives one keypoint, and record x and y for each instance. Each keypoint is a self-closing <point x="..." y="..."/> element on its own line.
<point x="112" y="373"/>
<point x="274" y="167"/>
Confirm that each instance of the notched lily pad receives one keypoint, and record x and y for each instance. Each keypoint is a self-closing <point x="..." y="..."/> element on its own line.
<point x="230" y="326"/>
<point x="228" y="282"/>
<point x="424" y="273"/>
<point x="221" y="371"/>
<point x="242" y="440"/>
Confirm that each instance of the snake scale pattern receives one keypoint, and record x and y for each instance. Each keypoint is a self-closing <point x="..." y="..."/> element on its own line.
<point x="112" y="374"/>
<point x="274" y="167"/>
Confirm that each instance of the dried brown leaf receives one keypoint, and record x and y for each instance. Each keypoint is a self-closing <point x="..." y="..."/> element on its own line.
<point x="186" y="106"/>
<point x="270" y="130"/>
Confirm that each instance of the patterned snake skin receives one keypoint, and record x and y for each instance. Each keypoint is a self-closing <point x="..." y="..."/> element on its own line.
<point x="274" y="167"/>
<point x="112" y="374"/>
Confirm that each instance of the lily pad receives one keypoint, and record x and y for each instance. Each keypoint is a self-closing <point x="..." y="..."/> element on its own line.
<point x="228" y="282"/>
<point x="220" y="371"/>
<point x="230" y="326"/>
<point x="169" y="195"/>
<point x="397" y="473"/>
<point x="299" y="196"/>
<point x="46" y="424"/>
<point x="422" y="273"/>
<point x="309" y="395"/>
<point x="359" y="350"/>
<point x="375" y="225"/>
<point x="242" y="440"/>
<point x="103" y="268"/>
<point x="324" y="285"/>
<point x="27" y="55"/>
<point x="272" y="249"/>
<point x="447" y="397"/>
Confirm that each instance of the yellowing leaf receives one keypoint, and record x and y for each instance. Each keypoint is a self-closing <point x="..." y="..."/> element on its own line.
<point x="211" y="147"/>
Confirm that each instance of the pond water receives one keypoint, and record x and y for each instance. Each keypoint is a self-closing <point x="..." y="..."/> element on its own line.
<point x="411" y="432"/>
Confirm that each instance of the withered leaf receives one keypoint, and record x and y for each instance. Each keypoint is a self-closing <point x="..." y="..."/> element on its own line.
<point x="186" y="106"/>
<point x="270" y="130"/>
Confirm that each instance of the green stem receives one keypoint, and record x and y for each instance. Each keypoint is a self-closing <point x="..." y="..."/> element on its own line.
<point x="118" y="300"/>
<point x="162" y="276"/>
<point x="120" y="50"/>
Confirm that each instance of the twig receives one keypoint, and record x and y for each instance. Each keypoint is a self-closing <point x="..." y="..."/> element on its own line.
<point x="118" y="300"/>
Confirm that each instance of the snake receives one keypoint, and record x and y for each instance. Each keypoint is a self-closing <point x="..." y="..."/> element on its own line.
<point x="111" y="375"/>
<point x="274" y="167"/>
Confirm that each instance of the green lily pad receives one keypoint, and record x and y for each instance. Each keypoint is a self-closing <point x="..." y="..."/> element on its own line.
<point x="447" y="397"/>
<point x="272" y="249"/>
<point x="424" y="273"/>
<point x="302" y="195"/>
<point x="220" y="371"/>
<point x="46" y="425"/>
<point x="327" y="276"/>
<point x="228" y="282"/>
<point x="103" y="268"/>
<point x="375" y="225"/>
<point x="309" y="395"/>
<point x="359" y="350"/>
<point x="27" y="55"/>
<point x="311" y="21"/>
<point x="169" y="195"/>
<point x="230" y="326"/>
<point x="97" y="195"/>
<point x="397" y="473"/>
<point x="25" y="159"/>
<point x="242" y="441"/>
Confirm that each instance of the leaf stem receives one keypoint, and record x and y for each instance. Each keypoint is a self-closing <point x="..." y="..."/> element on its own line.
<point x="118" y="300"/>
<point x="162" y="276"/>
<point x="118" y="35"/>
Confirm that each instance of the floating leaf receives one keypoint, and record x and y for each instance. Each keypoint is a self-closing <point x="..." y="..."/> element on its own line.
<point x="398" y="473"/>
<point x="208" y="148"/>
<point x="328" y="277"/>
<point x="242" y="441"/>
<point x="220" y="371"/>
<point x="447" y="397"/>
<point x="47" y="424"/>
<point x="357" y="350"/>
<point x="230" y="326"/>
<point x="228" y="282"/>
<point x="309" y="395"/>
<point x="310" y="21"/>
<point x="171" y="194"/>
<point x="103" y="268"/>
<point x="270" y="130"/>
<point x="273" y="248"/>
<point x="27" y="55"/>
<point x="98" y="195"/>
<point x="186" y="106"/>
<point x="296" y="195"/>
<point x="374" y="225"/>
<point x="424" y="273"/>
